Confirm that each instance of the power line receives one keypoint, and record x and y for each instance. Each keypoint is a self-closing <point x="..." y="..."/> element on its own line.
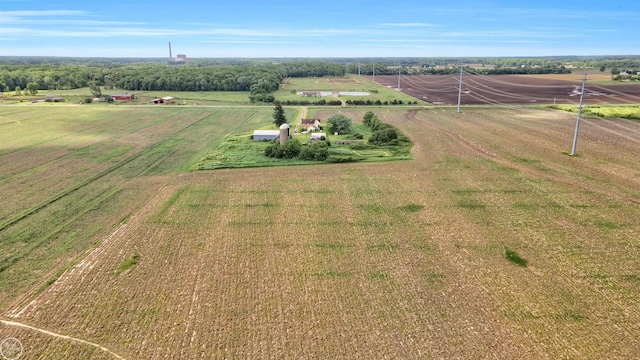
<point x="575" y="136"/>
<point x="460" y="89"/>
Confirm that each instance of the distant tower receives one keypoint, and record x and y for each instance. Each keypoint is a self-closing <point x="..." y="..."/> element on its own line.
<point x="170" y="55"/>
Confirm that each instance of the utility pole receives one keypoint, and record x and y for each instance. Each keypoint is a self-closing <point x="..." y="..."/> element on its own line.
<point x="374" y="72"/>
<point x="460" y="88"/>
<point x="575" y="136"/>
<point x="358" y="68"/>
<point x="398" y="79"/>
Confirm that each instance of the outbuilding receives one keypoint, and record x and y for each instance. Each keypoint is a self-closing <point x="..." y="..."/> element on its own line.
<point x="162" y="100"/>
<point x="268" y="135"/>
<point x="317" y="136"/>
<point x="123" y="97"/>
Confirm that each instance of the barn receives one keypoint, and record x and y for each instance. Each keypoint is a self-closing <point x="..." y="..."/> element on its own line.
<point x="260" y="135"/>
<point x="123" y="96"/>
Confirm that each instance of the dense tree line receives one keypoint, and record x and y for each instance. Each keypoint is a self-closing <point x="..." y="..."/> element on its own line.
<point x="262" y="76"/>
<point x="259" y="78"/>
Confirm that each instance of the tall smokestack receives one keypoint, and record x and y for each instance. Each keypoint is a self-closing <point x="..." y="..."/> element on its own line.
<point x="170" y="55"/>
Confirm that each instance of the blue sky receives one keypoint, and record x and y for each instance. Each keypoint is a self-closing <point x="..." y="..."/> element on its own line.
<point x="346" y="28"/>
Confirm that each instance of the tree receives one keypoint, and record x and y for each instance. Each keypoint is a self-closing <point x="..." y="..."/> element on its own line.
<point x="614" y="71"/>
<point x="291" y="149"/>
<point x="278" y="115"/>
<point x="18" y="91"/>
<point x="95" y="89"/>
<point x="339" y="123"/>
<point x="603" y="68"/>
<point x="366" y="120"/>
<point x="317" y="151"/>
<point x="32" y="88"/>
<point x="381" y="137"/>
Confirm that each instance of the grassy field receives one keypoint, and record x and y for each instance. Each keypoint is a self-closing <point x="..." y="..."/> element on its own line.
<point x="240" y="151"/>
<point x="219" y="98"/>
<point x="611" y="111"/>
<point x="491" y="243"/>
<point x="350" y="83"/>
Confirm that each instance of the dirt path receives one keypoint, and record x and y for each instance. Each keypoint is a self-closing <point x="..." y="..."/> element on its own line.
<point x="59" y="336"/>
<point x="303" y="114"/>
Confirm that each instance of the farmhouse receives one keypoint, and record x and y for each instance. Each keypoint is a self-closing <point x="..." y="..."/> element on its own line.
<point x="310" y="125"/>
<point x="261" y="135"/>
<point x="123" y="97"/>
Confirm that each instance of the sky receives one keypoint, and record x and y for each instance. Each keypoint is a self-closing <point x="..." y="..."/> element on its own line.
<point x="318" y="29"/>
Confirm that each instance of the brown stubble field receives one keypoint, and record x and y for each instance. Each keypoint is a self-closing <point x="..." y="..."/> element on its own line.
<point x="380" y="260"/>
<point x="513" y="89"/>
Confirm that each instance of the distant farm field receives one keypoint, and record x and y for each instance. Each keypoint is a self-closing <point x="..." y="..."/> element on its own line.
<point x="491" y="243"/>
<point x="512" y="89"/>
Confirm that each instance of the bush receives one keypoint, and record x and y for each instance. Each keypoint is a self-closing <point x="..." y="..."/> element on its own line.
<point x="339" y="123"/>
<point x="344" y="158"/>
<point x="359" y="146"/>
<point x="318" y="151"/>
<point x="291" y="149"/>
<point x="273" y="151"/>
<point x="88" y="100"/>
<point x="382" y="137"/>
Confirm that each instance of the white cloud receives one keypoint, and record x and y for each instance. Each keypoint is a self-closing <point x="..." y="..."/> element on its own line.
<point x="408" y="25"/>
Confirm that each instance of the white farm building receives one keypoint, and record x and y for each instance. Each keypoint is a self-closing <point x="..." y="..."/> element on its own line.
<point x="260" y="135"/>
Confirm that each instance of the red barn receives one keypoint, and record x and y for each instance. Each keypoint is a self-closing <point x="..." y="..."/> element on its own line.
<point x="123" y="96"/>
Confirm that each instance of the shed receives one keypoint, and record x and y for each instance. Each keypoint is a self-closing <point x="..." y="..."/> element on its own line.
<point x="162" y="100"/>
<point x="123" y="96"/>
<point x="53" y="98"/>
<point x="317" y="136"/>
<point x="260" y="135"/>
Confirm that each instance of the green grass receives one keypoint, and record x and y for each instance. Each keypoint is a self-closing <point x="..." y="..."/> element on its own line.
<point x="128" y="264"/>
<point x="193" y="98"/>
<point x="514" y="257"/>
<point x="411" y="207"/>
<point x="240" y="151"/>
<point x="470" y="204"/>
<point x="606" y="111"/>
<point x="348" y="83"/>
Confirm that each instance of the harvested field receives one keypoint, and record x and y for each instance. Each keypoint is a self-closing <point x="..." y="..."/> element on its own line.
<point x="259" y="263"/>
<point x="511" y="89"/>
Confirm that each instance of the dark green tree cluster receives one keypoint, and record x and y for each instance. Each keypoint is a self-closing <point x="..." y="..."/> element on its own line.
<point x="317" y="151"/>
<point x="319" y="102"/>
<point x="293" y="149"/>
<point x="383" y="134"/>
<point x="261" y="78"/>
<point x="339" y="123"/>
<point x="278" y="114"/>
<point x="290" y="150"/>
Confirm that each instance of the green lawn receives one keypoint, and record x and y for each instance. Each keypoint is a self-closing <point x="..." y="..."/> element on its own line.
<point x="350" y="83"/>
<point x="607" y="111"/>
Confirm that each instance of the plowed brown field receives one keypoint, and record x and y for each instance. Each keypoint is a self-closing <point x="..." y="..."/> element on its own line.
<point x="511" y="89"/>
<point x="380" y="260"/>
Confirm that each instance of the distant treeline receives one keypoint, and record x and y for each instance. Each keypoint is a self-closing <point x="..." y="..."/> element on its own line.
<point x="263" y="76"/>
<point x="258" y="79"/>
